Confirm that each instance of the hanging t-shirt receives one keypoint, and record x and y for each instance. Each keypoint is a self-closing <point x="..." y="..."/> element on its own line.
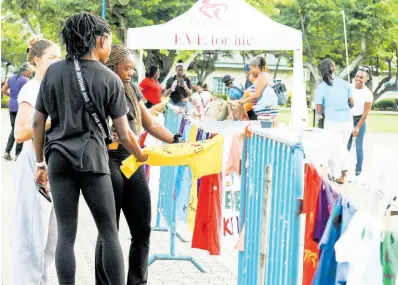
<point x="207" y="230"/>
<point x="195" y="154"/>
<point x="360" y="247"/>
<point x="235" y="155"/>
<point x="389" y="258"/>
<point x="326" y="200"/>
<point x="312" y="185"/>
<point x="328" y="271"/>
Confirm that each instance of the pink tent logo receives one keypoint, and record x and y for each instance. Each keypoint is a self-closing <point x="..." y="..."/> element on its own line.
<point x="213" y="10"/>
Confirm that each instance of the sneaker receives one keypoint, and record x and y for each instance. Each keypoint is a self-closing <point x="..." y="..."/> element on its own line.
<point x="16" y="157"/>
<point x="357" y="173"/>
<point x="7" y="156"/>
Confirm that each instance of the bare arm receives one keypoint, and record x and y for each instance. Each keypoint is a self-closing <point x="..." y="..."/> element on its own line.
<point x="39" y="127"/>
<point x="319" y="109"/>
<point x="5" y="88"/>
<point x="351" y="102"/>
<point x="158" y="131"/>
<point x="368" y="106"/>
<point x="262" y="81"/>
<point x="23" y="130"/>
<point x="128" y="139"/>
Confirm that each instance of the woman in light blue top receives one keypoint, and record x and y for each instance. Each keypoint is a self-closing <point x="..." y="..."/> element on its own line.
<point x="333" y="97"/>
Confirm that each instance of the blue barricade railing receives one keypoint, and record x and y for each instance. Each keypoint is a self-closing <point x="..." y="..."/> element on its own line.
<point x="167" y="201"/>
<point x="271" y="193"/>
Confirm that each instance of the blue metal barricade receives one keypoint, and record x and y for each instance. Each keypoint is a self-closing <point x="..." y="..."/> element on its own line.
<point x="172" y="123"/>
<point x="167" y="202"/>
<point x="271" y="196"/>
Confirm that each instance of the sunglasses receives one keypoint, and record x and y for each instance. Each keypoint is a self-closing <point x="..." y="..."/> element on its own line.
<point x="365" y="68"/>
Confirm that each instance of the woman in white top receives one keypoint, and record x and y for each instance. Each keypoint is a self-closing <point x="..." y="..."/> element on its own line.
<point x="363" y="99"/>
<point x="35" y="232"/>
<point x="200" y="100"/>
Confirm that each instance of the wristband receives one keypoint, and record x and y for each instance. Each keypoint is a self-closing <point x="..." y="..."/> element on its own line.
<point x="41" y="164"/>
<point x="176" y="138"/>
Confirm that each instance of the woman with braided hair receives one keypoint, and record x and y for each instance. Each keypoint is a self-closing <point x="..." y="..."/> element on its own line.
<point x="75" y="145"/>
<point x="333" y="97"/>
<point x="131" y="195"/>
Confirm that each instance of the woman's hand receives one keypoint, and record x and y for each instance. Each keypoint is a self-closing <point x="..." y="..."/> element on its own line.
<point x="142" y="157"/>
<point x="355" y="132"/>
<point x="42" y="176"/>
<point x="115" y="137"/>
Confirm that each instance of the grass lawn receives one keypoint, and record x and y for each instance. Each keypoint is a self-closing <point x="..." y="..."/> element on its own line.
<point x="386" y="123"/>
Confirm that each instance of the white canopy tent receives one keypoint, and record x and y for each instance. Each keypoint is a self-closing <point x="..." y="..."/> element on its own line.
<point x="228" y="25"/>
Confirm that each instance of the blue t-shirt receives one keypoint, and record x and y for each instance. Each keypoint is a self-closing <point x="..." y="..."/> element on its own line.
<point x="334" y="100"/>
<point x="329" y="272"/>
<point x="16" y="82"/>
<point x="234" y="93"/>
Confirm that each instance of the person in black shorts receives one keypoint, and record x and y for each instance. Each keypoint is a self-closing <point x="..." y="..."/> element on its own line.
<point x="74" y="148"/>
<point x="131" y="195"/>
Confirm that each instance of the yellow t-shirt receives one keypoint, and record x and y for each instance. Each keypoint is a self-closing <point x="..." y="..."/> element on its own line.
<point x="203" y="157"/>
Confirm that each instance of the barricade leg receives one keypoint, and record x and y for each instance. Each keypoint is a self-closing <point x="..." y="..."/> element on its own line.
<point x="168" y="209"/>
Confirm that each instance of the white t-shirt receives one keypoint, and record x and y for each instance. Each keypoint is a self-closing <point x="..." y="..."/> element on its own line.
<point x="360" y="247"/>
<point x="29" y="93"/>
<point x="202" y="98"/>
<point x="360" y="96"/>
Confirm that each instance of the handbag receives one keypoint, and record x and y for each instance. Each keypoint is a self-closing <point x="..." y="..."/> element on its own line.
<point x="90" y="107"/>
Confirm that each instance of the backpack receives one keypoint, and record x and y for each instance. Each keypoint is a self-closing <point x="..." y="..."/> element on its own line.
<point x="241" y="90"/>
<point x="280" y="91"/>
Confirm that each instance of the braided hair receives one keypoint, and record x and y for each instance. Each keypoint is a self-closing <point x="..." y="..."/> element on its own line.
<point x="326" y="71"/>
<point x="118" y="54"/>
<point x="80" y="32"/>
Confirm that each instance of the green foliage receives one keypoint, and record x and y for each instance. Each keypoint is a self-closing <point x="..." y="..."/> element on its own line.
<point x="383" y="104"/>
<point x="221" y="96"/>
<point x="4" y="101"/>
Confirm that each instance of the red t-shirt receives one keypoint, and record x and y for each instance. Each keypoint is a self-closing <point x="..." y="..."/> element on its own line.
<point x="312" y="186"/>
<point x="151" y="90"/>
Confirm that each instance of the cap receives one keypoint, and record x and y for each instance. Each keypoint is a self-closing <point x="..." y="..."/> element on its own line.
<point x="227" y="79"/>
<point x="247" y="68"/>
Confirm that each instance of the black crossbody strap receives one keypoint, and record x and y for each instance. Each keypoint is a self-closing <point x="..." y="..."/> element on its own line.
<point x="90" y="107"/>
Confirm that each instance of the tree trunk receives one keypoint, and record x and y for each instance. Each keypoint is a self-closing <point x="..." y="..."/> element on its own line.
<point x="277" y="66"/>
<point x="352" y="65"/>
<point x="28" y="24"/>
<point x="376" y="93"/>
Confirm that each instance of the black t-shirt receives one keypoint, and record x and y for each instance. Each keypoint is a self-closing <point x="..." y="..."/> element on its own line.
<point x="73" y="132"/>
<point x="122" y="152"/>
<point x="179" y="92"/>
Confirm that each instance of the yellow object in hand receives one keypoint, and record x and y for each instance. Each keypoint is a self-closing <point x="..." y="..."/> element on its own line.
<point x="204" y="157"/>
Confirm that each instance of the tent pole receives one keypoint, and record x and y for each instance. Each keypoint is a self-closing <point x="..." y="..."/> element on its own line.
<point x="141" y="67"/>
<point x="299" y="114"/>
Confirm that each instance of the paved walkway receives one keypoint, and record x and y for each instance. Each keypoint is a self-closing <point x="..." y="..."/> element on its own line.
<point x="222" y="269"/>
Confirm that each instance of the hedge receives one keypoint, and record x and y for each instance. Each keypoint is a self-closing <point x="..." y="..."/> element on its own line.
<point x="4" y="101"/>
<point x="385" y="103"/>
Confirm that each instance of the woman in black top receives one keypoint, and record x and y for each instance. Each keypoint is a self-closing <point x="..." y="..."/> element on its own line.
<point x="179" y="87"/>
<point x="131" y="195"/>
<point x="74" y="147"/>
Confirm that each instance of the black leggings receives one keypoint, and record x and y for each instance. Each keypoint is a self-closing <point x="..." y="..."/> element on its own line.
<point x="133" y="196"/>
<point x="11" y="139"/>
<point x="65" y="184"/>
